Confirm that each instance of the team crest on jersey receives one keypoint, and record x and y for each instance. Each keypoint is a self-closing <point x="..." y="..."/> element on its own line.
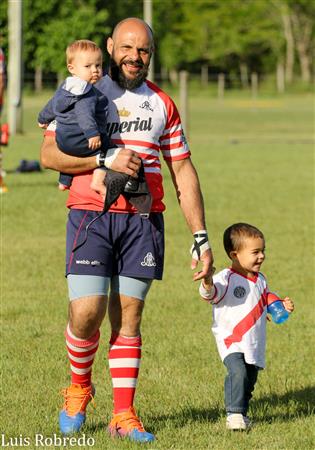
<point x="148" y="260"/>
<point x="146" y="105"/>
<point x="239" y="292"/>
<point x="123" y="112"/>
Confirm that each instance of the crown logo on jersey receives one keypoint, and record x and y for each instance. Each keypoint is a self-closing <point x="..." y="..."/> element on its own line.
<point x="123" y="112"/>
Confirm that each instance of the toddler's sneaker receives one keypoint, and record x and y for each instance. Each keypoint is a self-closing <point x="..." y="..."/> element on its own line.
<point x="72" y="416"/>
<point x="127" y="424"/>
<point x="248" y="422"/>
<point x="237" y="422"/>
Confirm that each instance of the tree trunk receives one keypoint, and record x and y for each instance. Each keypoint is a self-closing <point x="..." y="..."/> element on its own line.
<point x="303" y="32"/>
<point x="280" y="77"/>
<point x="60" y="78"/>
<point x="289" y="38"/>
<point x="244" y="75"/>
<point x="204" y="75"/>
<point x="221" y="85"/>
<point x="183" y="100"/>
<point x="164" y="74"/>
<point x="38" y="79"/>
<point x="173" y="76"/>
<point x="254" y="84"/>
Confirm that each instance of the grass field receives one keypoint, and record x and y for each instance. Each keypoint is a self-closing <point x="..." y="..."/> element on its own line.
<point x="255" y="161"/>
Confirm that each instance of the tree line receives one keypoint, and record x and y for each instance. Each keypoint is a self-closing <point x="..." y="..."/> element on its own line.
<point x="235" y="37"/>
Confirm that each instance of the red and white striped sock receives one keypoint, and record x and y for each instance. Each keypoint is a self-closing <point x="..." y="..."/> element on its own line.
<point x="124" y="361"/>
<point x="81" y="353"/>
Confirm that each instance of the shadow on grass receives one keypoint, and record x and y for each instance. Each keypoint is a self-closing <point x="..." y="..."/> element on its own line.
<point x="186" y="415"/>
<point x="90" y="428"/>
<point x="285" y="407"/>
<point x="179" y="419"/>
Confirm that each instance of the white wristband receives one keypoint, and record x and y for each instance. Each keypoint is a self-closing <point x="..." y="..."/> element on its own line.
<point x="207" y="295"/>
<point x="110" y="157"/>
<point x="200" y="245"/>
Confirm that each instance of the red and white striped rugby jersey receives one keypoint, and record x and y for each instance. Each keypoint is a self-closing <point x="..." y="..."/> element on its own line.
<point x="145" y="120"/>
<point x="239" y="315"/>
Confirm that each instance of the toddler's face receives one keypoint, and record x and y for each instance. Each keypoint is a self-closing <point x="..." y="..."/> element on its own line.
<point x="87" y="66"/>
<point x="249" y="258"/>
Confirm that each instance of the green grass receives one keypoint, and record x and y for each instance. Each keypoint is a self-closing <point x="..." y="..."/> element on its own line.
<point x="255" y="162"/>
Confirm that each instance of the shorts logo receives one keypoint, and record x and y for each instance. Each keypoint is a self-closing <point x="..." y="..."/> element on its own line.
<point x="148" y="260"/>
<point x="86" y="262"/>
<point x="83" y="261"/>
<point x="239" y="292"/>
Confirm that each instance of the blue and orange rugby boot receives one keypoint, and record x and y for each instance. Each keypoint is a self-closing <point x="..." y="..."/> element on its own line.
<point x="76" y="399"/>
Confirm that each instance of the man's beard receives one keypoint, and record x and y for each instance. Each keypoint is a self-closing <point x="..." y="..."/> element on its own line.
<point x="130" y="84"/>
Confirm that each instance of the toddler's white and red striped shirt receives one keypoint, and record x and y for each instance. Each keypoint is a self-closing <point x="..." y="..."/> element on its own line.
<point x="239" y="315"/>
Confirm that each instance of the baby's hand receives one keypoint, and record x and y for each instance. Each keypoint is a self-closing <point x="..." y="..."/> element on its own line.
<point x="97" y="183"/>
<point x="42" y="125"/>
<point x="95" y="142"/>
<point x="288" y="304"/>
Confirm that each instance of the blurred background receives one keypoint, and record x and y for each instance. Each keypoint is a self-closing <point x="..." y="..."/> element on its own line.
<point x="228" y="44"/>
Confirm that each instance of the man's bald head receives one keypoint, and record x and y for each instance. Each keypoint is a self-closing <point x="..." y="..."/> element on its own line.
<point x="133" y="24"/>
<point x="130" y="49"/>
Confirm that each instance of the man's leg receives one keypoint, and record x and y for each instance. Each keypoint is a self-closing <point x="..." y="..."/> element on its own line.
<point x="86" y="313"/>
<point x="125" y="312"/>
<point x="125" y="349"/>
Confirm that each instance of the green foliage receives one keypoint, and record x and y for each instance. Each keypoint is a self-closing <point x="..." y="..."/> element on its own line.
<point x="4" y="25"/>
<point x="228" y="33"/>
<point x="76" y="20"/>
<point x="215" y="31"/>
<point x="222" y="34"/>
<point x="49" y="26"/>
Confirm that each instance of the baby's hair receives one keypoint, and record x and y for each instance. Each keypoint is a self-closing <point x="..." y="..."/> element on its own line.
<point x="83" y="45"/>
<point x="233" y="237"/>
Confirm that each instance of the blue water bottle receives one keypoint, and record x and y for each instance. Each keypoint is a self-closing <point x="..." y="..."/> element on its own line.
<point x="278" y="312"/>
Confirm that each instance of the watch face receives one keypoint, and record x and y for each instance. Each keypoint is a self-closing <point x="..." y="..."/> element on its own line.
<point x="102" y="160"/>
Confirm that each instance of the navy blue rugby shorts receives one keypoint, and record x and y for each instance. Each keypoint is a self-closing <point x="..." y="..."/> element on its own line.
<point x="117" y="244"/>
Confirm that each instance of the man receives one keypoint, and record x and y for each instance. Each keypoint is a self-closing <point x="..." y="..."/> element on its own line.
<point x="123" y="250"/>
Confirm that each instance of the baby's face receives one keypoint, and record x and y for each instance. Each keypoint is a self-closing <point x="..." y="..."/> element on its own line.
<point x="249" y="258"/>
<point x="87" y="65"/>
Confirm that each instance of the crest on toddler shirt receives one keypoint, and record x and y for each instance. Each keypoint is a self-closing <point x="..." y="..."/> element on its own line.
<point x="239" y="292"/>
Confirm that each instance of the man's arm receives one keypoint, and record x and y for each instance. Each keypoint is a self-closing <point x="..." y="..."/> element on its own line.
<point x="186" y="182"/>
<point x="52" y="158"/>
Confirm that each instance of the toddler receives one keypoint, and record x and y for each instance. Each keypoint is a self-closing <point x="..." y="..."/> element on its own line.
<point x="240" y="296"/>
<point x="78" y="107"/>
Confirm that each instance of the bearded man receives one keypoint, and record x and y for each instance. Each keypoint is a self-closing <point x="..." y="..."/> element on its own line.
<point x="124" y="250"/>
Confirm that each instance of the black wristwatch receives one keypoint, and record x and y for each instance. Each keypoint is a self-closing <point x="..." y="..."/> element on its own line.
<point x="101" y="160"/>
